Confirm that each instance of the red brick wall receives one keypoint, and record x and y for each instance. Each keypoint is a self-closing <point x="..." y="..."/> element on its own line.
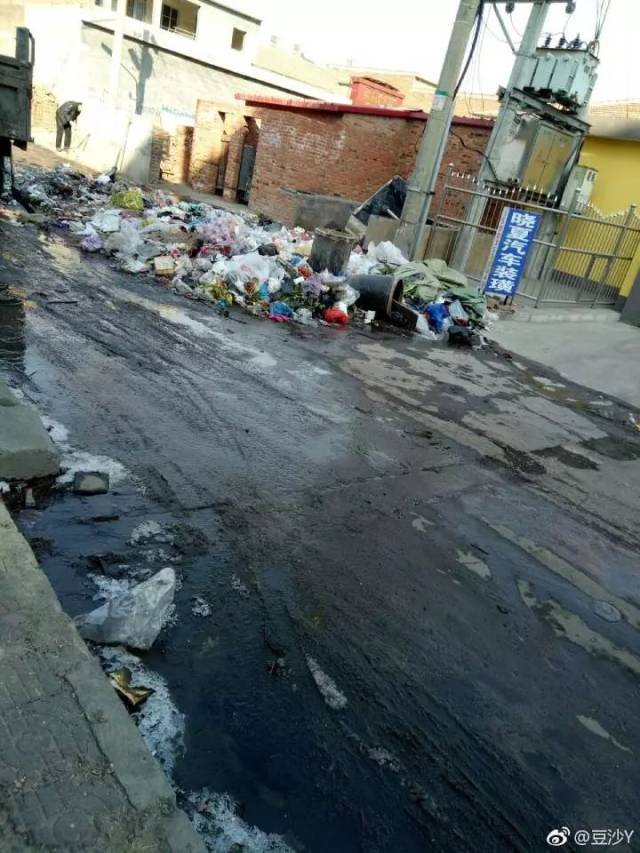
<point x="348" y="155"/>
<point x="220" y="132"/>
<point x="43" y="108"/>
<point x="171" y="155"/>
<point x="365" y="90"/>
<point x="207" y="148"/>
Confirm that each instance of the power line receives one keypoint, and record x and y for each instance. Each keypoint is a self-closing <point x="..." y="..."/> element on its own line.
<point x="474" y="42"/>
<point x="515" y="29"/>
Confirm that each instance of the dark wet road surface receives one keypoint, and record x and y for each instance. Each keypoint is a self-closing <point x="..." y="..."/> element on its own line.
<point x="430" y="528"/>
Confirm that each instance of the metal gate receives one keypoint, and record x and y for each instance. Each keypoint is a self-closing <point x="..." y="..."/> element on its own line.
<point x="579" y="256"/>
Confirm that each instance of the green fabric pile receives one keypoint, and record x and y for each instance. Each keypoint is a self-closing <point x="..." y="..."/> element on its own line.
<point x="424" y="281"/>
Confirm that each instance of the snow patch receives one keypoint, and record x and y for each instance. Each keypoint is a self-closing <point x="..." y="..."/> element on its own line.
<point x="334" y="697"/>
<point x="384" y="758"/>
<point x="80" y="460"/>
<point x="110" y="587"/>
<point x="150" y="529"/>
<point x="160" y="722"/>
<point x="58" y="432"/>
<point x="214" y="817"/>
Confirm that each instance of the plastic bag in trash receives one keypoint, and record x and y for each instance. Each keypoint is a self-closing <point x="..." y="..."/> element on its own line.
<point x="202" y="264"/>
<point x="126" y="241"/>
<point x="183" y="266"/>
<point x="386" y="253"/>
<point x="92" y="243"/>
<point x="313" y="286"/>
<point x="275" y="284"/>
<point x="360" y="264"/>
<point x="436" y="314"/>
<point x="457" y="312"/>
<point x="251" y="266"/>
<point x="338" y="314"/>
<point x="133" y="265"/>
<point x="422" y="328"/>
<point x="128" y="200"/>
<point x="304" y="316"/>
<point x="106" y="221"/>
<point x="347" y="294"/>
<point x="280" y="312"/>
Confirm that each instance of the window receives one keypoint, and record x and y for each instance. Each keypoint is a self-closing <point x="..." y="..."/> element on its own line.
<point x="169" y="17"/>
<point x="237" y="39"/>
<point x="137" y="9"/>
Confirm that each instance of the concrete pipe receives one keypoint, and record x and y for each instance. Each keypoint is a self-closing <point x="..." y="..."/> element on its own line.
<point x="377" y="292"/>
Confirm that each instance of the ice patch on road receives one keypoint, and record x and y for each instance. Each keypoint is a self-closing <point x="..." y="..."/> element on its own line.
<point x="334" y="697"/>
<point x="150" y="529"/>
<point x="597" y="729"/>
<point x="160" y="723"/>
<point x="110" y="587"/>
<point x="58" y="432"/>
<point x="548" y="383"/>
<point x="421" y="524"/>
<point x="263" y="360"/>
<point x="215" y="819"/>
<point x="469" y="560"/>
<point x="80" y="460"/>
<point x="384" y="758"/>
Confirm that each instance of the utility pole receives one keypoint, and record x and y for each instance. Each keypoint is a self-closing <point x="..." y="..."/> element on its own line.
<point x="116" y="54"/>
<point x="501" y="129"/>
<point x="425" y="174"/>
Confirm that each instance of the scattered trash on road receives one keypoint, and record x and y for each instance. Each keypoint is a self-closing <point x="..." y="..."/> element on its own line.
<point x="201" y="607"/>
<point x="132" y="696"/>
<point x="133" y="618"/>
<point x="159" y="721"/>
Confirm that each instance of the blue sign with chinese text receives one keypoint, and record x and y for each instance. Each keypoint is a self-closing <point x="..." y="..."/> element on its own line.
<point x="511" y="247"/>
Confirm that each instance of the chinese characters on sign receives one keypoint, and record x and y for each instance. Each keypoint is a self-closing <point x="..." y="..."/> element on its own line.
<point x="511" y="248"/>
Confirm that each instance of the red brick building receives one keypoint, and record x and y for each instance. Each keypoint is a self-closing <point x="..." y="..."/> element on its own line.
<point x="344" y="150"/>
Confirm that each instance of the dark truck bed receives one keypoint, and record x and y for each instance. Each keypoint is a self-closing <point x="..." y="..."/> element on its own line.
<point x="16" y="73"/>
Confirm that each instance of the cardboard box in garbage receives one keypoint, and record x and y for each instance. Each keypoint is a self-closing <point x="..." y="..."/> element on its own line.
<point x="164" y="265"/>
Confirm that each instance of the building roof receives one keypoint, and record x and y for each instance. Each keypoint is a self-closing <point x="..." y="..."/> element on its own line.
<point x="332" y="107"/>
<point x="381" y="72"/>
<point x="242" y="8"/>
<point x="615" y="119"/>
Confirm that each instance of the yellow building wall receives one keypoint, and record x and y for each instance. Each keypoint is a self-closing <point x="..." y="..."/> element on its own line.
<point x="618" y="183"/>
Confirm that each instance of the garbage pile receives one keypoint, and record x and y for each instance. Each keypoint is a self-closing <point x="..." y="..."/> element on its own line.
<point x="212" y="255"/>
<point x="447" y="305"/>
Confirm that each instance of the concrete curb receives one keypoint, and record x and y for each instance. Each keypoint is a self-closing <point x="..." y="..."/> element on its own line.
<point x="26" y="449"/>
<point x="561" y="315"/>
<point x="74" y="771"/>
